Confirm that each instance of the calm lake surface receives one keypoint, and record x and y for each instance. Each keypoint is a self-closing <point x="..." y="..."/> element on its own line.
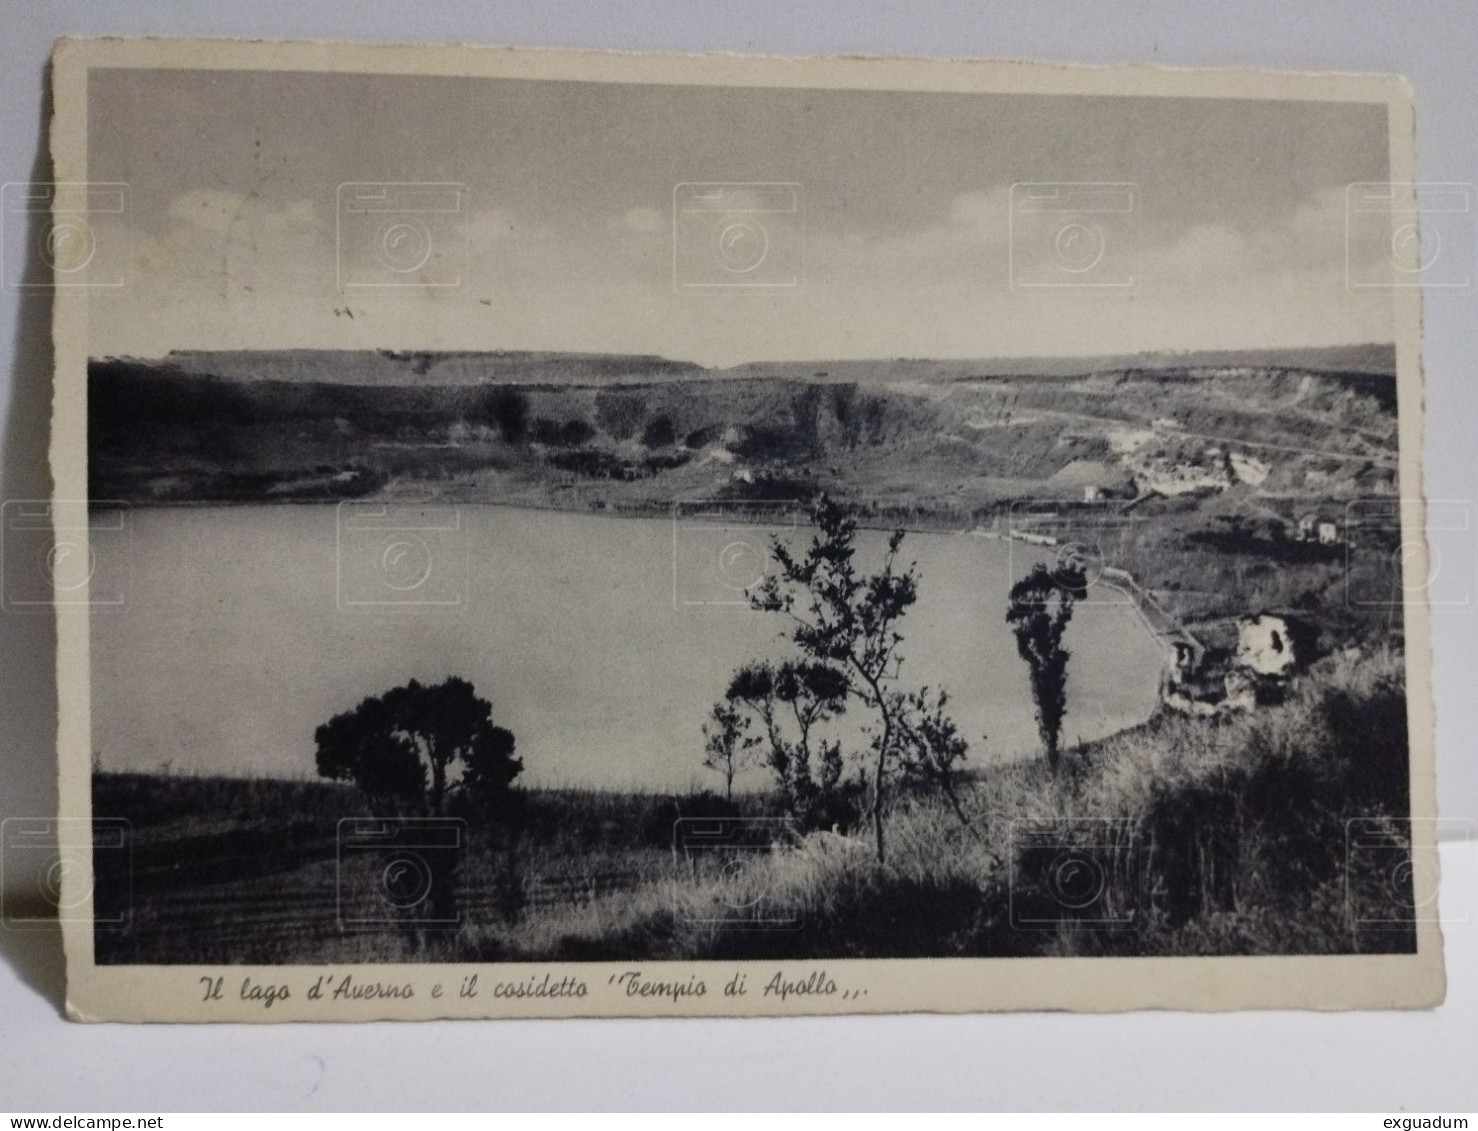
<point x="602" y="642"/>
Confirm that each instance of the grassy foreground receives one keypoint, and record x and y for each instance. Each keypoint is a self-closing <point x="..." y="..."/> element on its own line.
<point x="1273" y="833"/>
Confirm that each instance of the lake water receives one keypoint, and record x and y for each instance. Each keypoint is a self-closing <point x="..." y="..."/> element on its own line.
<point x="602" y="642"/>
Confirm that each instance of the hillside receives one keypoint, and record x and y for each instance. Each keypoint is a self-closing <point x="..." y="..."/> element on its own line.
<point x="1217" y="465"/>
<point x="1372" y="359"/>
<point x="549" y="432"/>
<point x="421" y="367"/>
<point x="473" y="367"/>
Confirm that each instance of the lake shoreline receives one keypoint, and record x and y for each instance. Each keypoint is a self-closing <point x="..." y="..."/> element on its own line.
<point x="627" y="511"/>
<point x="541" y="612"/>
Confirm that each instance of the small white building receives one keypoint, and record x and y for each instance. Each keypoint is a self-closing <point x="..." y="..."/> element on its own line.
<point x="1316" y="528"/>
<point x="1253" y="472"/>
<point x="1265" y="646"/>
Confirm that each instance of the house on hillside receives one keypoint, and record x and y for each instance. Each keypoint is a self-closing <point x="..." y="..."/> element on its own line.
<point x="1270" y="650"/>
<point x="1191" y="681"/>
<point x="1182" y="473"/>
<point x="1265" y="646"/>
<point x="1318" y="528"/>
<point x="1247" y="469"/>
<point x="1098" y="481"/>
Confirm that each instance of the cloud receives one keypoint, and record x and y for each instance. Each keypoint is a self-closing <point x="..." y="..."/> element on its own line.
<point x="231" y="269"/>
<point x="986" y="216"/>
<point x="1321" y="233"/>
<point x="223" y="265"/>
<point x="1310" y="240"/>
<point x="1205" y="249"/>
<point x="965" y="245"/>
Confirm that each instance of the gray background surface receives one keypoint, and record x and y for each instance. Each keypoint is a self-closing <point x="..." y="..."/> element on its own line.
<point x="1412" y="1061"/>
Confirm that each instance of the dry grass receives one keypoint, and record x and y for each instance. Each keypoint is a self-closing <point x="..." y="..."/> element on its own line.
<point x="1181" y="836"/>
<point x="1178" y="837"/>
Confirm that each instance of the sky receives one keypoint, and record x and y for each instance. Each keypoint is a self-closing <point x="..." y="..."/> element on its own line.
<point x="830" y="224"/>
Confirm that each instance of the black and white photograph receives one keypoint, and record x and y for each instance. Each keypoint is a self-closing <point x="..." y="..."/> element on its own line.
<point x="673" y="520"/>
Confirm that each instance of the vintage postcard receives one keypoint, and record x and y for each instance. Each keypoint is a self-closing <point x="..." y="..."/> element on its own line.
<point x="557" y="534"/>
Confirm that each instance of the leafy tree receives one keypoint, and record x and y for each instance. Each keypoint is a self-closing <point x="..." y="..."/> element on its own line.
<point x="391" y="744"/>
<point x="366" y="747"/>
<point x="1041" y="606"/>
<point x="620" y="414"/>
<point x="727" y="743"/>
<point x="932" y="745"/>
<point x="789" y="701"/>
<point x="659" y="433"/>
<point x="508" y="410"/>
<point x="488" y="765"/>
<point x="846" y="624"/>
<point x="566" y="434"/>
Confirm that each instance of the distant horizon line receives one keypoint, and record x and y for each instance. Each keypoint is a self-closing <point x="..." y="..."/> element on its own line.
<point x="759" y="361"/>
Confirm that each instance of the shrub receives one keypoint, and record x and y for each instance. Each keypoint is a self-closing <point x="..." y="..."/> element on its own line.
<point x="702" y="437"/>
<point x="661" y="820"/>
<point x="566" y="434"/>
<point x="592" y="464"/>
<point x="507" y="410"/>
<point x="659" y="433"/>
<point x="620" y="414"/>
<point x="767" y="487"/>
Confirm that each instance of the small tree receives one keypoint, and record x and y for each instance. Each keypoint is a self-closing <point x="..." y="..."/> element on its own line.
<point x="932" y="745"/>
<point x="659" y="433"/>
<point x="727" y="743"/>
<point x="404" y="746"/>
<point x="1041" y="605"/>
<point x="847" y="624"/>
<point x="507" y="409"/>
<point x="406" y="743"/>
<point x="789" y="701"/>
